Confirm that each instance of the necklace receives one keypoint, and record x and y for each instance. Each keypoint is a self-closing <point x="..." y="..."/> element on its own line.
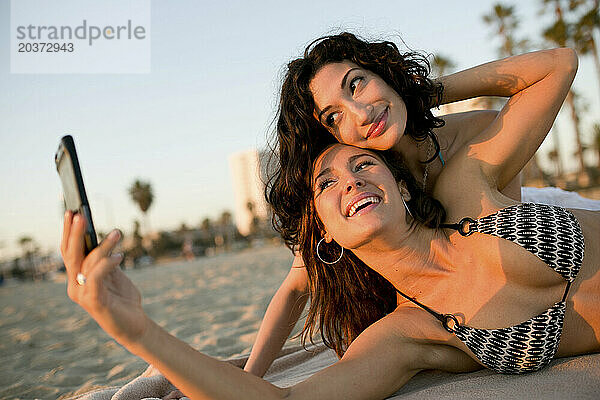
<point x="426" y="171"/>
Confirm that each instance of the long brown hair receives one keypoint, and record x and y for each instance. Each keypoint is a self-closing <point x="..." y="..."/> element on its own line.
<point x="345" y="297"/>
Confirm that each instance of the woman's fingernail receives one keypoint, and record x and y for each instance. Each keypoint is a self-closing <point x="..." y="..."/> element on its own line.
<point x="118" y="256"/>
<point x="114" y="235"/>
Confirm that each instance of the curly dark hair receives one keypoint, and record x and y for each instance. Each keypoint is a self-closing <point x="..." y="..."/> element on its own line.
<point x="300" y="136"/>
<point x="348" y="296"/>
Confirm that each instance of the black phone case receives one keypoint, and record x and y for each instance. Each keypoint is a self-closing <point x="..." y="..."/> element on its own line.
<point x="68" y="145"/>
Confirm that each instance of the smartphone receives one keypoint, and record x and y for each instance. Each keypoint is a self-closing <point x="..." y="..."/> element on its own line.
<point x="67" y="165"/>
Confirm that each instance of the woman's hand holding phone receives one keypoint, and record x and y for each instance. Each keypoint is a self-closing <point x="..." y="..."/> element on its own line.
<point x="106" y="294"/>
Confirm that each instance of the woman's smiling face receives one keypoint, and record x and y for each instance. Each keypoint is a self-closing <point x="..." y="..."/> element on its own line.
<point x="357" y="106"/>
<point x="355" y="195"/>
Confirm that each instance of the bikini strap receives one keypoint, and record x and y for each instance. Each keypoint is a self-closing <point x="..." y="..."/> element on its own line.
<point x="465" y="226"/>
<point x="566" y="291"/>
<point x="445" y="319"/>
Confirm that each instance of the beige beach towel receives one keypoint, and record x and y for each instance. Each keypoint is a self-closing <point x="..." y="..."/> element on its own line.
<point x="565" y="378"/>
<point x="149" y="385"/>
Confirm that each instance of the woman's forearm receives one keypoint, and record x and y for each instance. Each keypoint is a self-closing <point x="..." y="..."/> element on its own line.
<point x="197" y="375"/>
<point x="283" y="312"/>
<point x="504" y="77"/>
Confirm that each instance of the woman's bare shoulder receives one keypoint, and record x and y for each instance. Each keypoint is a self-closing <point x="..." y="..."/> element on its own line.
<point x="417" y="324"/>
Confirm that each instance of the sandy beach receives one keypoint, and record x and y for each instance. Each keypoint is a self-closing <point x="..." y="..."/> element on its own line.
<point x="50" y="348"/>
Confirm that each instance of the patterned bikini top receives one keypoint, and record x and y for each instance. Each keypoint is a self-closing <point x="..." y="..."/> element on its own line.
<point x="554" y="235"/>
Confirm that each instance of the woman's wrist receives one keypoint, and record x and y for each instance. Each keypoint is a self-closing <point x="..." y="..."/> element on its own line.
<point x="255" y="368"/>
<point x="438" y="98"/>
<point x="146" y="339"/>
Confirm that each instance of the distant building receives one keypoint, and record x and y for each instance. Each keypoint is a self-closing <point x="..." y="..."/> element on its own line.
<point x="247" y="173"/>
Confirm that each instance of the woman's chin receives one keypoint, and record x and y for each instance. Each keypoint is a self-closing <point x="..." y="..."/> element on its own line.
<point x="387" y="140"/>
<point x="365" y="230"/>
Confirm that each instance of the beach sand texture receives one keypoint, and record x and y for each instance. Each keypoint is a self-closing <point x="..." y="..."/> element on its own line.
<point x="50" y="347"/>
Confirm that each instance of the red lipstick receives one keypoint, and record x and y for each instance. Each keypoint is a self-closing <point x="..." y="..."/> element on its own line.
<point x="378" y="126"/>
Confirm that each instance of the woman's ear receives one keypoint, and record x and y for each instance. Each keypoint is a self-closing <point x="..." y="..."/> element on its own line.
<point x="323" y="232"/>
<point x="404" y="191"/>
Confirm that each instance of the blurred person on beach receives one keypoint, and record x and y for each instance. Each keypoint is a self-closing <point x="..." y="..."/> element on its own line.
<point x="333" y="91"/>
<point x="397" y="244"/>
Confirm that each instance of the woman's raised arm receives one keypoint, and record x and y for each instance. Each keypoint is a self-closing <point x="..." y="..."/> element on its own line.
<point x="369" y="369"/>
<point x="537" y="84"/>
<point x="504" y="77"/>
<point x="283" y="312"/>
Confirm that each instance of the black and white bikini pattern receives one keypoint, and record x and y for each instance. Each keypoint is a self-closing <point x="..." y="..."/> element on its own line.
<point x="554" y="235"/>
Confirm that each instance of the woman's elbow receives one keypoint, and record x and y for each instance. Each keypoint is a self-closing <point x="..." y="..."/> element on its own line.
<point x="285" y="393"/>
<point x="566" y="60"/>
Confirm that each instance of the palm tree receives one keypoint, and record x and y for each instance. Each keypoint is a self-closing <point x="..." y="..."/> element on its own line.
<point x="141" y="194"/>
<point x="561" y="33"/>
<point x="583" y="33"/>
<point x="183" y="228"/>
<point x="254" y="222"/>
<point x="206" y="225"/>
<point x="208" y="232"/>
<point x="596" y="142"/>
<point x="137" y="251"/>
<point x="442" y="64"/>
<point x="554" y="154"/>
<point x="504" y="22"/>
<point x="26" y="243"/>
<point x="555" y="159"/>
<point x="225" y="222"/>
<point x="29" y="249"/>
<point x="225" y="218"/>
